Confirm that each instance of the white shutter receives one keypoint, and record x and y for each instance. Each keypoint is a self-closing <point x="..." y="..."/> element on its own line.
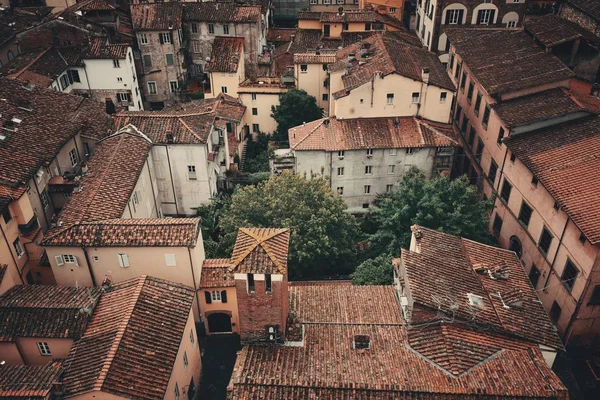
<point x="123" y="260"/>
<point x="170" y="260"/>
<point x="75" y="261"/>
<point x="59" y="260"/>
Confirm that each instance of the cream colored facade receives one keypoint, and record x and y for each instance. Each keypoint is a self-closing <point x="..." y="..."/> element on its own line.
<point x="371" y="99"/>
<point x="230" y="308"/>
<point x="227" y="82"/>
<point x="259" y="100"/>
<point x="313" y="77"/>
<point x="393" y="8"/>
<point x="24" y="350"/>
<point x="332" y="5"/>
<point x="336" y="29"/>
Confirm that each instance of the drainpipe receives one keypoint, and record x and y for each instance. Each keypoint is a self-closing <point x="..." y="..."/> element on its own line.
<point x="172" y="184"/>
<point x="152" y="186"/>
<point x="12" y="255"/>
<point x="574" y="315"/>
<point x="20" y="352"/>
<point x="194" y="278"/>
<point x="89" y="265"/>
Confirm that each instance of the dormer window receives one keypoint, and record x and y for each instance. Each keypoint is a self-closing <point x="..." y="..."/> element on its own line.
<point x="475" y="300"/>
<point x="361" y="342"/>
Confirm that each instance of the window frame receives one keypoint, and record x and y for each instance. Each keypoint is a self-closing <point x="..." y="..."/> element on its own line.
<point x="541" y="239"/>
<point x="19" y="251"/>
<point x="524" y="216"/>
<point x="44" y="349"/>
<point x="152" y="87"/>
<point x="211" y="29"/>
<point x="389" y="99"/>
<point x="570" y="281"/>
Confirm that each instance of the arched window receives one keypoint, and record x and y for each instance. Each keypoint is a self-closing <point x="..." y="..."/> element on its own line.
<point x="514" y="244"/>
<point x="510" y="19"/>
<point x="485" y="14"/>
<point x="454" y="14"/>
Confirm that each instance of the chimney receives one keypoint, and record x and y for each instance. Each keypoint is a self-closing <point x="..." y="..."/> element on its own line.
<point x="341" y="11"/>
<point x="326" y="122"/>
<point x="415" y="241"/>
<point x="396" y="123"/>
<point x="425" y="74"/>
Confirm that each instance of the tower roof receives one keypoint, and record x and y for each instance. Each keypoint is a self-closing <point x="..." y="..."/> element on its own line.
<point x="261" y="251"/>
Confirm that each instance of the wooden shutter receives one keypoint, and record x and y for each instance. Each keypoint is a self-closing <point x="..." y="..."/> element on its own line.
<point x="461" y="13"/>
<point x="160" y="37"/>
<point x="223" y="296"/>
<point x="479" y="15"/>
<point x="492" y="15"/>
<point x="207" y="297"/>
<point x="171" y="36"/>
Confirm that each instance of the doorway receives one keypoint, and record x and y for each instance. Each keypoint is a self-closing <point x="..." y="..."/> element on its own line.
<point x="219" y="323"/>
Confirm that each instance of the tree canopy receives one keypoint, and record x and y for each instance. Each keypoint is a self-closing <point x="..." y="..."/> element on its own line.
<point x="323" y="236"/>
<point x="374" y="271"/>
<point x="451" y="206"/>
<point x="295" y="107"/>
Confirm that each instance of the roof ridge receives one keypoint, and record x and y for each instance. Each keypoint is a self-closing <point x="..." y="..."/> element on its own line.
<point x="259" y="242"/>
<point x="36" y="59"/>
<point x="312" y="131"/>
<point x="127" y="313"/>
<point x="189" y="129"/>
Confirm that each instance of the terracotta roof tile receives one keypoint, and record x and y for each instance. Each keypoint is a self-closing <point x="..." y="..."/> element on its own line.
<point x="590" y="7"/>
<point x="45" y="311"/>
<point x="281" y="34"/>
<point x="216" y="272"/>
<point x="261" y="251"/>
<point x="506" y="60"/>
<point x="99" y="49"/>
<point x="29" y="381"/>
<point x="226" y="54"/>
<point x="311" y="58"/>
<point x="564" y="159"/>
<point x="156" y="232"/>
<point x="332" y="134"/>
<point x="551" y="30"/>
<point x="156" y="16"/>
<point x="221" y="12"/>
<point x="137" y="326"/>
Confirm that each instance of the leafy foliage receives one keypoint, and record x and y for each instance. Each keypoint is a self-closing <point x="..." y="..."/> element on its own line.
<point x="295" y="107"/>
<point x="450" y="206"/>
<point x="323" y="235"/>
<point x="375" y="271"/>
<point x="211" y="232"/>
<point x="257" y="154"/>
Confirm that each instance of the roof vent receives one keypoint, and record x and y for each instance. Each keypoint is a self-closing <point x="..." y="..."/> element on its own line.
<point x="326" y="122"/>
<point x="10" y="125"/>
<point x="170" y="138"/>
<point x="361" y="342"/>
<point x="24" y="104"/>
<point x="475" y="300"/>
<point x="341" y="11"/>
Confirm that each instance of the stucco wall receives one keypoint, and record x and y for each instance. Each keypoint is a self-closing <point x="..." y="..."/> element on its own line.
<point x="263" y="103"/>
<point x="231" y="307"/>
<point x="10" y="354"/>
<point x="143" y="202"/>
<point x="31" y="354"/>
<point x="312" y="81"/>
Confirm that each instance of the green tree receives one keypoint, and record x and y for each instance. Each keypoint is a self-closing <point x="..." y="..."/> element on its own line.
<point x="210" y="215"/>
<point x="257" y="154"/>
<point x="295" y="107"/>
<point x="323" y="234"/>
<point x="374" y="271"/>
<point x="451" y="206"/>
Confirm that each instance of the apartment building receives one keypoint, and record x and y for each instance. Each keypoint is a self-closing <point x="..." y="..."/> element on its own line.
<point x="312" y="75"/>
<point x="434" y="16"/>
<point x="160" y="39"/>
<point x="260" y="95"/>
<point x="509" y="126"/>
<point x="45" y="137"/>
<point x="332" y="5"/>
<point x="370" y="79"/>
<point x="361" y="166"/>
<point x="393" y="8"/>
<point x="192" y="148"/>
<point x="226" y="67"/>
<point x="333" y="24"/>
<point x="339" y="336"/>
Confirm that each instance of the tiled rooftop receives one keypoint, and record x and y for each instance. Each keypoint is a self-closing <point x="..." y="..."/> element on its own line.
<point x="20" y="382"/>
<point x="506" y="60"/>
<point x="388" y="53"/>
<point x="216" y="272"/>
<point x="448" y="267"/>
<point x="226" y="54"/>
<point x="221" y="12"/>
<point x="137" y="326"/>
<point x="155" y="232"/>
<point x="43" y="66"/>
<point x="551" y="30"/>
<point x="99" y="49"/>
<point x="332" y="134"/>
<point x="589" y="7"/>
<point x="261" y="251"/>
<point x="281" y="34"/>
<point x="156" y="16"/>
<point x="312" y="58"/>
<point x="45" y="311"/>
<point x="349" y="16"/>
<point x="564" y="159"/>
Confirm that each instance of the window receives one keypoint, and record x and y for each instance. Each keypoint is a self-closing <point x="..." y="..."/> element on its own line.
<point x="390" y="98"/>
<point x="6" y="215"/>
<point x="18" y="248"/>
<point x="513" y="157"/>
<point x="367" y="189"/>
<point x="392" y="152"/>
<point x="471" y="138"/>
<point x="152" y="88"/>
<point x="185" y="360"/>
<point x="463" y="81"/>
<point x="344" y="26"/>
<point x="340" y="1"/>
<point x="119" y="79"/>
<point x="492" y="171"/>
<point x="123" y="260"/>
<point x="365" y="205"/>
<point x="303" y="68"/>
<point x="534" y="275"/>
<point x="391" y="169"/>
<point x="486" y="116"/>
<point x="475" y="300"/>
<point x="143" y="38"/>
<point x="95" y="258"/>
<point x="595" y="298"/>
<point x="174" y="86"/>
<point x="196" y="47"/>
<point x="255" y="128"/>
<point x="569" y="275"/>
<point x="255" y="111"/>
<point x="545" y="241"/>
<point x="443" y="96"/>
<point x="194" y="27"/>
<point x="505" y="192"/>
<point x="477" y="104"/>
<point x="389" y="188"/>
<point x="124" y="97"/>
<point x="470" y="91"/>
<point x="514" y="244"/>
<point x="211" y="29"/>
<point x="73" y="75"/>
<point x="392" y="10"/>
<point x="454" y="17"/>
<point x="409" y="150"/>
<point x="511" y="24"/>
<point x="340" y="171"/>
<point x="215" y="295"/>
<point x="44" y="348"/>
<point x="369" y="152"/>
<point x="500" y="136"/>
<point x="169" y="59"/>
<point x="191" y="172"/>
<point x="225" y="29"/>
<point x="479" y="151"/>
<point x="268" y="283"/>
<point x="582" y="239"/>
<point x="534" y="181"/>
<point x="485" y="17"/>
<point x="341" y="154"/>
<point x="555" y="312"/>
<point x="313" y="2"/>
<point x="458" y="70"/>
<point x="170" y="260"/>
<point x="192" y="339"/>
<point x="362" y="342"/>
<point x="116" y="63"/>
<point x="367" y="26"/>
<point x="223" y="89"/>
<point x="147" y="60"/>
<point x="176" y="391"/>
<point x="368" y="170"/>
<point x="325" y="97"/>
<point x="69" y="259"/>
<point x="64" y="82"/>
<point x="415" y="97"/>
<point x="326" y="1"/>
<point x="497" y="225"/>
<point x="525" y="214"/>
<point x="340" y="190"/>
<point x="556" y="206"/>
<point x="165" y="38"/>
<point x="44" y="199"/>
<point x="464" y="125"/>
<point x="251" y="286"/>
<point x="253" y="96"/>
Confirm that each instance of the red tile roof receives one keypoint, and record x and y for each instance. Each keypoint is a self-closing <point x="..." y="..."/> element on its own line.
<point x="132" y="340"/>
<point x="403" y="363"/>
<point x="551" y="30"/>
<point x="155" y="232"/>
<point x="564" y="159"/>
<point x="443" y="273"/>
<point x="589" y="7"/>
<point x="20" y="382"/>
<point x="45" y="311"/>
<point x="216" y="272"/>
<point x="349" y="16"/>
<point x="99" y="49"/>
<point x="261" y="251"/>
<point x="156" y="16"/>
<point x="281" y="34"/>
<point x="332" y="134"/>
<point x="312" y="58"/>
<point x="226" y="54"/>
<point x="221" y="12"/>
